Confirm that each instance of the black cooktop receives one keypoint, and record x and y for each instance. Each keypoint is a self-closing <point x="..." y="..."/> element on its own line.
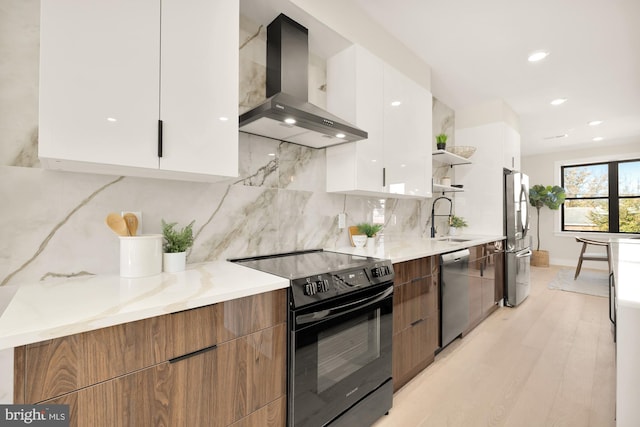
<point x="317" y="275"/>
<point x="296" y="265"/>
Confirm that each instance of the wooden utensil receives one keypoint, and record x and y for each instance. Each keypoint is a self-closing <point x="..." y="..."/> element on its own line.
<point x="132" y="223"/>
<point x="117" y="224"/>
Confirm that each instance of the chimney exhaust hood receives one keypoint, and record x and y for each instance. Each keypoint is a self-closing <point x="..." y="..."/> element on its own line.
<point x="286" y="114"/>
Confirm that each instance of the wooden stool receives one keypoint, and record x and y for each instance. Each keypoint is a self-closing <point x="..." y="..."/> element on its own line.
<point x="592" y="256"/>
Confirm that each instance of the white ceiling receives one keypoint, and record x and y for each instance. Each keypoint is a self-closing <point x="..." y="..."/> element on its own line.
<point x="478" y="52"/>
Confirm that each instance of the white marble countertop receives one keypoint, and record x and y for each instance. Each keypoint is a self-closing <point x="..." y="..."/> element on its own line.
<point x="35" y="312"/>
<point x="46" y="310"/>
<point x="405" y="249"/>
<point x="625" y="255"/>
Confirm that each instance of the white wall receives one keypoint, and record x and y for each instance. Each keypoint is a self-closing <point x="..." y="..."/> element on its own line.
<point x="543" y="169"/>
<point x="492" y="129"/>
<point x="349" y="20"/>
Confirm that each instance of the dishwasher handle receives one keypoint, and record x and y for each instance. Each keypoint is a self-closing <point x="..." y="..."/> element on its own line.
<point x="453" y="257"/>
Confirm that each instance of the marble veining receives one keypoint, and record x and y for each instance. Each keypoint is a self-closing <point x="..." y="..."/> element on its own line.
<point x="48" y="238"/>
<point x="28" y="155"/>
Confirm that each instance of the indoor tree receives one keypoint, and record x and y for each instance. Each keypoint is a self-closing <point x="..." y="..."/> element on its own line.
<point x="549" y="196"/>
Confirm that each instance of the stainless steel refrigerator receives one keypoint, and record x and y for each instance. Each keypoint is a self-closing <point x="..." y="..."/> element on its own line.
<point x="518" y="246"/>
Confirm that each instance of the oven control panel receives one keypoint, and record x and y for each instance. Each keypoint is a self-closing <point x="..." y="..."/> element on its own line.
<point x="324" y="286"/>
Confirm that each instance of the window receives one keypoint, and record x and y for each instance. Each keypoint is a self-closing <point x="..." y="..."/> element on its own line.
<point x="602" y="197"/>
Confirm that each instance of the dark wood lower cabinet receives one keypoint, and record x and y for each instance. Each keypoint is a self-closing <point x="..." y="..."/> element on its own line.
<point x="415" y="318"/>
<point x="413" y="350"/>
<point x="272" y="415"/>
<point x="239" y="381"/>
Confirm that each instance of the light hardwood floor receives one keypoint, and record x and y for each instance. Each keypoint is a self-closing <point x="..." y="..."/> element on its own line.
<point x="548" y="362"/>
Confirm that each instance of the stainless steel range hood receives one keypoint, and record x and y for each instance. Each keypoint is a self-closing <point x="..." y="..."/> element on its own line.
<point x="286" y="114"/>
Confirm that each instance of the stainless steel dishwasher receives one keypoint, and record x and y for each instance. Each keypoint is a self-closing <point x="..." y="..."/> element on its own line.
<point x="454" y="294"/>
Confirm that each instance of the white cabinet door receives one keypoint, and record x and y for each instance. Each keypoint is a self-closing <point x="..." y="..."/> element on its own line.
<point x="396" y="157"/>
<point x="99" y="81"/>
<point x="511" y="148"/>
<point x="407" y="135"/>
<point x="355" y="93"/>
<point x="199" y="86"/>
<point x="111" y="69"/>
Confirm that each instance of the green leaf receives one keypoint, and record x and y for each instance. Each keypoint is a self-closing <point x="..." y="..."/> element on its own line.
<point x="369" y="229"/>
<point x="177" y="241"/>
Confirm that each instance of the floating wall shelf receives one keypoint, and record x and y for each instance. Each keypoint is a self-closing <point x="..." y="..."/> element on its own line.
<point x="448" y="158"/>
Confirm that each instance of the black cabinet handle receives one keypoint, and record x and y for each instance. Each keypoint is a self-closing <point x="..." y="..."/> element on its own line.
<point x="193" y="353"/>
<point x="384" y="177"/>
<point x="417" y="322"/>
<point x="159" y="138"/>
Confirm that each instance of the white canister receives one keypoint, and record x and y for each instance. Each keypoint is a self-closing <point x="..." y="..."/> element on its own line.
<point x="445" y="181"/>
<point x="140" y="255"/>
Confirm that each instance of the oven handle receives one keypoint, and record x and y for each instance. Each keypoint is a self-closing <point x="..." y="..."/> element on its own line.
<point x="343" y="309"/>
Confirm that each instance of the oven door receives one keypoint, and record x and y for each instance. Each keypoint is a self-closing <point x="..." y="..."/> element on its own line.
<point x="340" y="352"/>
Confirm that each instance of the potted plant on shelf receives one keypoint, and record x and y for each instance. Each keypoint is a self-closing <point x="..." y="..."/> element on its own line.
<point x="540" y="196"/>
<point x="441" y="141"/>
<point x="176" y="243"/>
<point x="370" y="230"/>
<point x="456" y="222"/>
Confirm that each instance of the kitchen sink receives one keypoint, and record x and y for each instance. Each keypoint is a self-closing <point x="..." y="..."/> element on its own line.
<point x="452" y="239"/>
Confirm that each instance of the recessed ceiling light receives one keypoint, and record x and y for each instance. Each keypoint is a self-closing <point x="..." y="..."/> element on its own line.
<point x="290" y="120"/>
<point x="559" y="101"/>
<point x="271" y="154"/>
<point x="223" y="118"/>
<point x="598" y="138"/>
<point x="112" y="119"/>
<point x="538" y="56"/>
<point x="340" y="135"/>
<point x="395" y="103"/>
<point x="595" y="122"/>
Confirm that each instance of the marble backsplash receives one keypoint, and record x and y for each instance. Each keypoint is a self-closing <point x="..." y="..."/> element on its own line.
<point x="52" y="222"/>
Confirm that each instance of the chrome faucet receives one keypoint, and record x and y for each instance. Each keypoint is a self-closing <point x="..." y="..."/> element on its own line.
<point x="433" y="210"/>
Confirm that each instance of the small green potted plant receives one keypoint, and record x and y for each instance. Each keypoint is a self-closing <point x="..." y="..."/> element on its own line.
<point x="456" y="222"/>
<point x="176" y="243"/>
<point x="370" y="230"/>
<point x="441" y="141"/>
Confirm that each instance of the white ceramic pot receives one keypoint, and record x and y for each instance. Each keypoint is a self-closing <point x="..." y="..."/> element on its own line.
<point x="359" y="240"/>
<point x="140" y="255"/>
<point x="453" y="231"/>
<point x="371" y="242"/>
<point x="172" y="263"/>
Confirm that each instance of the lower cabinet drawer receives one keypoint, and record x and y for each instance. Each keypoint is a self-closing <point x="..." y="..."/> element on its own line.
<point x="236" y="381"/>
<point x="413" y="350"/>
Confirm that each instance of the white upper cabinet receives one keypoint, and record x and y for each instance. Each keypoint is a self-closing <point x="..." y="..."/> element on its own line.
<point x="407" y="135"/>
<point x="110" y="70"/>
<point x="511" y="149"/>
<point x="395" y="160"/>
<point x="354" y="93"/>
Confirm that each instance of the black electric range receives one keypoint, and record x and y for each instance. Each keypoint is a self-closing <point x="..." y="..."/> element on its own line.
<point x="339" y="345"/>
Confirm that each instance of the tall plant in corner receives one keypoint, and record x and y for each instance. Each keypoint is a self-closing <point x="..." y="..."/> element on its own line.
<point x="551" y="197"/>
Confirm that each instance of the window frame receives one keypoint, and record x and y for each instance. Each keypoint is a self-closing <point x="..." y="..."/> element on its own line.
<point x="613" y="198"/>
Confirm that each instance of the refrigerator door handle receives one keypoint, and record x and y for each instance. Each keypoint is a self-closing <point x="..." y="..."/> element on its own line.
<point x="523" y="191"/>
<point x="524" y="254"/>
